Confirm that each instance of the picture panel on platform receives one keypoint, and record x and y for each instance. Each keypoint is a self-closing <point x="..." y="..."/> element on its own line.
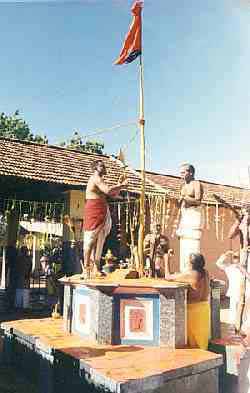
<point x="82" y="313"/>
<point x="139" y="320"/>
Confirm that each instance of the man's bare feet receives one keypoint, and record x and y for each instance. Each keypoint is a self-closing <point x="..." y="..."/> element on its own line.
<point x="85" y="273"/>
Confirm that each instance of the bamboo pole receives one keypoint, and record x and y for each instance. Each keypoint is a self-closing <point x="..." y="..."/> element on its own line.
<point x="142" y="196"/>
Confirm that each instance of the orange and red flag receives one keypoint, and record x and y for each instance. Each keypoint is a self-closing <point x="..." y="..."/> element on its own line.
<point x="132" y="46"/>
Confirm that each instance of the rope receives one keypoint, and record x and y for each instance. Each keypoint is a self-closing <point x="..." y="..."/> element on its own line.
<point x="104" y="130"/>
<point x="125" y="147"/>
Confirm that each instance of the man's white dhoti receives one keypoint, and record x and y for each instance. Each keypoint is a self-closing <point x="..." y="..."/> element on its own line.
<point x="190" y="231"/>
<point x="97" y="237"/>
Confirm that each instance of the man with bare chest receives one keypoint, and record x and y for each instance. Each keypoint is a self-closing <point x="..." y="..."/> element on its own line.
<point x="190" y="227"/>
<point x="97" y="219"/>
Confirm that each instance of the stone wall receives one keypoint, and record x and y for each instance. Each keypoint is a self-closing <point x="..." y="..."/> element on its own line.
<point x="173" y="317"/>
<point x="105" y="318"/>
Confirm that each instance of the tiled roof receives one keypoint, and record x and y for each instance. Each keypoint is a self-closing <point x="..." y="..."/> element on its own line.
<point x="172" y="184"/>
<point x="54" y="164"/>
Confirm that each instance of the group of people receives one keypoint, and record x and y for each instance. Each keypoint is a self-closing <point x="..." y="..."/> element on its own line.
<point x="97" y="225"/>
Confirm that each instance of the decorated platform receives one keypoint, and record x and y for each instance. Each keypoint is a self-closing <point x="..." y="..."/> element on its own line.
<point x="116" y="311"/>
<point x="63" y="361"/>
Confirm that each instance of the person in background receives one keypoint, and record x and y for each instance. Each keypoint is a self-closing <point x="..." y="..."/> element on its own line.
<point x="241" y="229"/>
<point x="44" y="261"/>
<point x="229" y="262"/>
<point x="245" y="328"/>
<point x="24" y="267"/>
<point x="53" y="272"/>
<point x="198" y="315"/>
<point x="11" y="259"/>
<point x="156" y="247"/>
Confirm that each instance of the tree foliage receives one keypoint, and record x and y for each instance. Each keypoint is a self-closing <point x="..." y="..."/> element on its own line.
<point x="77" y="143"/>
<point x="13" y="126"/>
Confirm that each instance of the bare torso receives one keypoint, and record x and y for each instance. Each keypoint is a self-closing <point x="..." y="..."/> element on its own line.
<point x="194" y="191"/>
<point x="92" y="190"/>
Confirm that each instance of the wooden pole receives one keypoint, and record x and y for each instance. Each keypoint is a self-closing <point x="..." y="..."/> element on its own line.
<point x="142" y="196"/>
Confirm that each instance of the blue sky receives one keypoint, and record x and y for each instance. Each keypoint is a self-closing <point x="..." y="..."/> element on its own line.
<point x="56" y="68"/>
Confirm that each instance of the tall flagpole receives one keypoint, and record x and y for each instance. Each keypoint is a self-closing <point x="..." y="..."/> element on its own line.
<point x="142" y="196"/>
<point x="132" y="47"/>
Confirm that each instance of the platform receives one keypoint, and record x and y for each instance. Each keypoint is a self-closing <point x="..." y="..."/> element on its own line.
<point x="113" y="310"/>
<point x="43" y="346"/>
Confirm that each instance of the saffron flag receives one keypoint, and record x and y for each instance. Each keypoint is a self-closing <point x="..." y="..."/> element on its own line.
<point x="132" y="45"/>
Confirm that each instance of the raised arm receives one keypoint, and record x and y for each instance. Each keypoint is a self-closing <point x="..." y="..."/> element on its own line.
<point x="188" y="278"/>
<point x="221" y="262"/>
<point x="109" y="190"/>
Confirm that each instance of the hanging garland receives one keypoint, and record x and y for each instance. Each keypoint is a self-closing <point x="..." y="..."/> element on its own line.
<point x="168" y="213"/>
<point x="217" y="220"/>
<point x="207" y="217"/>
<point x="222" y="223"/>
<point x="164" y="214"/>
<point x="176" y="214"/>
<point x="34" y="210"/>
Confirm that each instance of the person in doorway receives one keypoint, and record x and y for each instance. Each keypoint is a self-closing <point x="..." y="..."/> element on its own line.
<point x="97" y="219"/>
<point x="198" y="308"/>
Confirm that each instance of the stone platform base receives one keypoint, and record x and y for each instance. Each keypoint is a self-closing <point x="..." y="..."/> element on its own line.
<point x="62" y="362"/>
<point x="235" y="374"/>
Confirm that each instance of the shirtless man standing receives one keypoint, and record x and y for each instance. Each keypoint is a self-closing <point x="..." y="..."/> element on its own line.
<point x="190" y="227"/>
<point x="97" y="219"/>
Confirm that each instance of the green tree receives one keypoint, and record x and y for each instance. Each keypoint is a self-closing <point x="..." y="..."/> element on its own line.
<point x="77" y="143"/>
<point x="13" y="126"/>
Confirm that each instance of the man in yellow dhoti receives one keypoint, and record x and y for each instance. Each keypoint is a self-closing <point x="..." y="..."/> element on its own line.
<point x="198" y="315"/>
<point x="191" y="223"/>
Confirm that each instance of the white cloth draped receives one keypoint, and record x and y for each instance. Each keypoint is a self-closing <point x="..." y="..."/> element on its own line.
<point x="190" y="232"/>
